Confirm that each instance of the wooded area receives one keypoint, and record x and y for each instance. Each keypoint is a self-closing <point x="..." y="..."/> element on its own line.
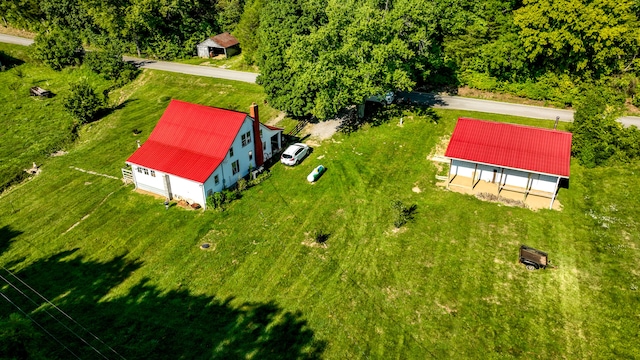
<point x="317" y="57"/>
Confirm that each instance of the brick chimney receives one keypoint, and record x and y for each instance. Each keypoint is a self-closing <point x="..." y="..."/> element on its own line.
<point x="257" y="141"/>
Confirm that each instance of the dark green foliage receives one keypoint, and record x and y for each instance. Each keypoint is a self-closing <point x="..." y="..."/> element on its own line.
<point x="83" y="103"/>
<point x="219" y="199"/>
<point x="401" y="213"/>
<point x="57" y="48"/>
<point x="229" y="13"/>
<point x="260" y="178"/>
<point x="247" y="30"/>
<point x="280" y="21"/>
<point x="18" y="338"/>
<point x="597" y="138"/>
<point x="317" y="59"/>
<point x="320" y="236"/>
<point x="591" y="38"/>
<point x="109" y="63"/>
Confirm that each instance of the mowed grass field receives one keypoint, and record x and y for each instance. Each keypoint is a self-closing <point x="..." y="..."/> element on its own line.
<point x="447" y="285"/>
<point x="33" y="128"/>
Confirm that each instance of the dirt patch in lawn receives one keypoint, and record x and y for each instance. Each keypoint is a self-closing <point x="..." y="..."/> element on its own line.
<point x="323" y="130"/>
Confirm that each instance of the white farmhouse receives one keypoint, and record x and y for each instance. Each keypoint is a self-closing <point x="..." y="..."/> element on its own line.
<point x="196" y="150"/>
<point x="503" y="158"/>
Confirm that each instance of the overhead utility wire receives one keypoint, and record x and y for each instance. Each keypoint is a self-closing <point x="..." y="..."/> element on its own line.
<point x="64" y="313"/>
<point x="53" y="317"/>
<point x="40" y="326"/>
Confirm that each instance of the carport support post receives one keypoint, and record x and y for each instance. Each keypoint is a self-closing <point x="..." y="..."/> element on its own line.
<point x="555" y="193"/>
<point x="473" y="179"/>
<point x="449" y="175"/>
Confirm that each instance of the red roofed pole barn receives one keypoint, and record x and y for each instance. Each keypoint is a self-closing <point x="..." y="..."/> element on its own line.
<point x="196" y="150"/>
<point x="509" y="158"/>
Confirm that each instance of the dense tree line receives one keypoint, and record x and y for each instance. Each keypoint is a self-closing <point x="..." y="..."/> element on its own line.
<point x="318" y="56"/>
<point x="365" y="46"/>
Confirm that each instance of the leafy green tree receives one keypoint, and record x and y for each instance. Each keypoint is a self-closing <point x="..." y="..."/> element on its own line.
<point x="110" y="64"/>
<point x="247" y="30"/>
<point x="229" y="13"/>
<point x="355" y="49"/>
<point x="66" y="14"/>
<point x="22" y="14"/>
<point x="279" y="22"/>
<point x="57" y="48"/>
<point x="593" y="38"/>
<point x="83" y="103"/>
<point x="18" y="338"/>
<point x="596" y="132"/>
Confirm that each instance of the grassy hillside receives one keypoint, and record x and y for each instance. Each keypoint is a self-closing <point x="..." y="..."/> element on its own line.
<point x="33" y="128"/>
<point x="447" y="285"/>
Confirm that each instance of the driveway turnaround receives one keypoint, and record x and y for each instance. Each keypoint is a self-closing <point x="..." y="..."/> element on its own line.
<point x="435" y="100"/>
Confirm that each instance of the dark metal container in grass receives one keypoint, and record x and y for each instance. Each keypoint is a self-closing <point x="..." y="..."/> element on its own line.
<point x="533" y="259"/>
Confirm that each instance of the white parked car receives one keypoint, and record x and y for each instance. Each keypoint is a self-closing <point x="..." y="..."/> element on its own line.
<point x="294" y="154"/>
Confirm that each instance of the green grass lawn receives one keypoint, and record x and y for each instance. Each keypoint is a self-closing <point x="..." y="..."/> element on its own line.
<point x="447" y="285"/>
<point x="33" y="128"/>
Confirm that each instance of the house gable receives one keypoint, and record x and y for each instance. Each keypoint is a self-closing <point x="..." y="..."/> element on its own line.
<point x="189" y="141"/>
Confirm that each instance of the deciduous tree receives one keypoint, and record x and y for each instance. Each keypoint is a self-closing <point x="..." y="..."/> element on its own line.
<point x="57" y="48"/>
<point x="82" y="102"/>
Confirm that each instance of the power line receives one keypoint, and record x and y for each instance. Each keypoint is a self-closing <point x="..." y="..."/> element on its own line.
<point x="53" y="317"/>
<point x="40" y="326"/>
<point x="64" y="313"/>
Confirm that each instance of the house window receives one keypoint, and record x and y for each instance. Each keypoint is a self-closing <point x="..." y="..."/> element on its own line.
<point x="246" y="138"/>
<point x="146" y="171"/>
<point x="140" y="170"/>
<point x="216" y="179"/>
<point x="250" y="155"/>
<point x="153" y="173"/>
<point x="231" y="151"/>
<point x="264" y="146"/>
<point x="261" y="133"/>
<point x="235" y="167"/>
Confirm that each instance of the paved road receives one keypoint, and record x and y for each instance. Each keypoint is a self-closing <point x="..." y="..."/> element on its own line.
<point x="15" y="40"/>
<point x="163" y="65"/>
<point x="194" y="70"/>
<point x="438" y="101"/>
<point x="495" y="107"/>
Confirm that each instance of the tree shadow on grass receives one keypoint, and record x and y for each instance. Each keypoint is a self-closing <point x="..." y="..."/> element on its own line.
<point x="7" y="234"/>
<point x="147" y="322"/>
<point x="104" y="112"/>
<point x="8" y="61"/>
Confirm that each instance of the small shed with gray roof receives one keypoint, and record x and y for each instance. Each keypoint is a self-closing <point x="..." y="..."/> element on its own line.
<point x="220" y="44"/>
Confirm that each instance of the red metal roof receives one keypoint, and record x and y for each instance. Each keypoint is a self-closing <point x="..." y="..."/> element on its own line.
<point x="225" y="40"/>
<point x="512" y="146"/>
<point x="190" y="140"/>
<point x="273" y="127"/>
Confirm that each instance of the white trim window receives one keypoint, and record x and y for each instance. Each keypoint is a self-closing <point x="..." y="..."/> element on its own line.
<point x="231" y="152"/>
<point x="216" y="179"/>
<point x="246" y="138"/>
<point x="235" y="167"/>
